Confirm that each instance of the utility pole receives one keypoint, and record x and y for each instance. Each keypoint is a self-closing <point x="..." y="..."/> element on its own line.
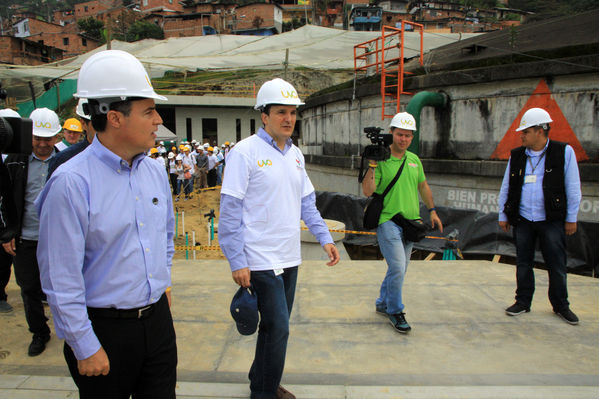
<point x="108" y="33"/>
<point x="286" y="63"/>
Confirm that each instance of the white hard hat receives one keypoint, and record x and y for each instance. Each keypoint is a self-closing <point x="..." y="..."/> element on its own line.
<point x="403" y="120"/>
<point x="222" y="145"/>
<point x="45" y="122"/>
<point x="80" y="111"/>
<point x="9" y="113"/>
<point x="179" y="157"/>
<point x="277" y="91"/>
<point x="534" y="117"/>
<point x="161" y="143"/>
<point x="206" y="145"/>
<point x="171" y="155"/>
<point x="114" y="75"/>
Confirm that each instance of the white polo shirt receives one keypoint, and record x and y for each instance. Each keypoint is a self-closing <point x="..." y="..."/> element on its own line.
<point x="271" y="186"/>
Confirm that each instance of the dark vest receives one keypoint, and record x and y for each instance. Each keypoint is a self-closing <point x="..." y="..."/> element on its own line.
<point x="554" y="188"/>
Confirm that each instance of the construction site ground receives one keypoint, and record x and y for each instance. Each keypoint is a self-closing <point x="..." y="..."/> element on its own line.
<point x="190" y="216"/>
<point x="462" y="344"/>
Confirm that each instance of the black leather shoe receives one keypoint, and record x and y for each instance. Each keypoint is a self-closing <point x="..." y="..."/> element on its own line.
<point x="568" y="316"/>
<point x="38" y="344"/>
<point x="517" y="309"/>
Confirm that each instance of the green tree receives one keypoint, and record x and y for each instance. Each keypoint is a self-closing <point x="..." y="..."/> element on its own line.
<point x="144" y="30"/>
<point x="92" y="28"/>
<point x="294" y="24"/>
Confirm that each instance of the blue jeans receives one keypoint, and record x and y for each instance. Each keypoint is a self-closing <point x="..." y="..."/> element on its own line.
<point x="219" y="175"/>
<point x="552" y="239"/>
<point x="188" y="184"/>
<point x="275" y="300"/>
<point x="397" y="253"/>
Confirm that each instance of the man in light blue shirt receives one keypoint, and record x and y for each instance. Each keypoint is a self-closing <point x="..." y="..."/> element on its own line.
<point x="106" y="241"/>
<point x="540" y="196"/>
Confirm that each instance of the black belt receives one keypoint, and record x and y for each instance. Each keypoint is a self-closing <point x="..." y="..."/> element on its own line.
<point x="113" y="313"/>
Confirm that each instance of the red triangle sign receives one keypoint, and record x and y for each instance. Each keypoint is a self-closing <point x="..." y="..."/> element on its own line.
<point x="560" y="128"/>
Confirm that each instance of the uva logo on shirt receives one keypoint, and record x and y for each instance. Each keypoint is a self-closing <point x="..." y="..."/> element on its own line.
<point x="413" y="165"/>
<point x="298" y="162"/>
<point x="263" y="162"/>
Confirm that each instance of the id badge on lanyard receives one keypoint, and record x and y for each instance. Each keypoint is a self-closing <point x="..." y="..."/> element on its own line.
<point x="530" y="179"/>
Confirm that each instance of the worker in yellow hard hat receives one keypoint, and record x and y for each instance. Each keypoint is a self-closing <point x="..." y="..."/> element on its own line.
<point x="72" y="131"/>
<point x="155" y="154"/>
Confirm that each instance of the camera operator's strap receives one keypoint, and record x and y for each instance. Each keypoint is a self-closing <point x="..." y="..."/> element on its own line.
<point x="390" y="186"/>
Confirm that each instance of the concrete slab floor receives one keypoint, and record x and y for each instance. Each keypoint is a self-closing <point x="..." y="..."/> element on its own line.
<point x="462" y="345"/>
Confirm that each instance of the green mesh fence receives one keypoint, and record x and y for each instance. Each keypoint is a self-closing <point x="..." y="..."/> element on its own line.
<point x="50" y="98"/>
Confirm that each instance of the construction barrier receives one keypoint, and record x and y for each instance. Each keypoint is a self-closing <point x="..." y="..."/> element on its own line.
<point x="217" y="247"/>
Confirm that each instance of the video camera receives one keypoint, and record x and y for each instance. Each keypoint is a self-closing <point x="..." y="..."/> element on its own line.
<point x="15" y="135"/>
<point x="378" y="150"/>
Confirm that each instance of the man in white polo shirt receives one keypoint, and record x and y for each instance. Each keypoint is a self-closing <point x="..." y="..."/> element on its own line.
<point x="265" y="193"/>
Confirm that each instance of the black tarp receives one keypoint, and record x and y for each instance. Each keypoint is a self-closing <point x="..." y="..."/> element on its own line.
<point x="477" y="232"/>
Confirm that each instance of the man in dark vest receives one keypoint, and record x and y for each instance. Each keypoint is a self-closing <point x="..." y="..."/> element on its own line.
<point x="540" y="196"/>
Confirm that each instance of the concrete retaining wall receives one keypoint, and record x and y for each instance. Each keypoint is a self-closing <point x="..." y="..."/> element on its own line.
<point x="474" y="122"/>
<point x="456" y="142"/>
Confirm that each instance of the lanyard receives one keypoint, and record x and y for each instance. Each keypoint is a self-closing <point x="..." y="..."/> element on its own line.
<point x="538" y="162"/>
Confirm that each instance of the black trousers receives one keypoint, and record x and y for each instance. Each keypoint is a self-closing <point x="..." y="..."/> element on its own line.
<point x="27" y="273"/>
<point x="173" y="178"/>
<point x="142" y="355"/>
<point x="5" y="264"/>
<point x="211" y="178"/>
<point x="552" y="239"/>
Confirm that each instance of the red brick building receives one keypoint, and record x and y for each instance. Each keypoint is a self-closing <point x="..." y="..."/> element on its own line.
<point x="93" y="8"/>
<point x="258" y="18"/>
<point x="65" y="37"/>
<point x="164" y="7"/>
<point x="20" y="51"/>
<point x="64" y="17"/>
<point x="199" y="19"/>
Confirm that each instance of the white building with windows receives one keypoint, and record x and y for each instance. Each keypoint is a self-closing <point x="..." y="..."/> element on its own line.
<point x="210" y="119"/>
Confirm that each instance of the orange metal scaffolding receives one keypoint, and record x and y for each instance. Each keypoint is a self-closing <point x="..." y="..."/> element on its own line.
<point x="386" y="55"/>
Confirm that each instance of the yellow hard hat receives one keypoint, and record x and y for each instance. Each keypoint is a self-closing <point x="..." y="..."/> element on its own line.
<point x="154" y="150"/>
<point x="226" y="143"/>
<point x="173" y="148"/>
<point x="73" y="125"/>
<point x="210" y="149"/>
<point x="182" y="146"/>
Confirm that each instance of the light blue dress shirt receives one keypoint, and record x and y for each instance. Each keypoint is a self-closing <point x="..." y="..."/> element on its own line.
<point x="231" y="228"/>
<point x="532" y="203"/>
<point x="106" y="239"/>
